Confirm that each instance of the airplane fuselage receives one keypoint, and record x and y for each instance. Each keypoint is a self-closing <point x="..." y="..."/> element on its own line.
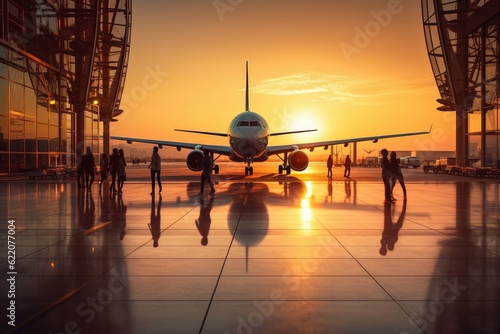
<point x="248" y="137"/>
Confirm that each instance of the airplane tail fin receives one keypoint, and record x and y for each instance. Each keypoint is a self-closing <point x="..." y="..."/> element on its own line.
<point x="247" y="104"/>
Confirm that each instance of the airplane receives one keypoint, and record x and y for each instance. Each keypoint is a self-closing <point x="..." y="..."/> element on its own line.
<point x="248" y="142"/>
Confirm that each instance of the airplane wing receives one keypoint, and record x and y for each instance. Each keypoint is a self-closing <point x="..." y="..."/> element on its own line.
<point x="219" y="149"/>
<point x="292" y="147"/>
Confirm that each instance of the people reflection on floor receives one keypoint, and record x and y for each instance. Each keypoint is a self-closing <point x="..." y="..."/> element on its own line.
<point x="329" y="165"/>
<point x="89" y="168"/>
<point x="347" y="189"/>
<point x="386" y="176"/>
<point x="103" y="163"/>
<point x="86" y="211"/>
<point x="155" y="221"/>
<point x="329" y="187"/>
<point x="118" y="214"/>
<point x="391" y="230"/>
<point x="79" y="170"/>
<point x="203" y="222"/>
<point x="114" y="164"/>
<point x="397" y="175"/>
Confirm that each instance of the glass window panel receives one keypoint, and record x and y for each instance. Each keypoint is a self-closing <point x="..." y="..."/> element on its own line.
<point x="29" y="104"/>
<point x="4" y="163"/>
<point x="54" y="117"/>
<point x="3" y="128"/>
<point x="43" y="145"/>
<point x="42" y="130"/>
<point x="42" y="115"/>
<point x="491" y="151"/>
<point x="16" y="75"/>
<point x="30" y="161"/>
<point x="30" y="145"/>
<point x="54" y="138"/>
<point x="43" y="161"/>
<point x="4" y="98"/>
<point x="17" y="145"/>
<point x="17" y="100"/>
<point x="3" y="68"/>
<point x="474" y="121"/>
<point x="30" y="130"/>
<point x="474" y="148"/>
<point x="17" y="162"/>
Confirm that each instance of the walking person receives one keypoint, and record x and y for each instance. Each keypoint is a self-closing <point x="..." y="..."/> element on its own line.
<point x="207" y="172"/>
<point x="347" y="165"/>
<point x="386" y="176"/>
<point x="397" y="174"/>
<point x="155" y="169"/>
<point x="329" y="165"/>
<point x="104" y="169"/>
<point x="79" y="169"/>
<point x="114" y="164"/>
<point x="122" y="176"/>
<point x="88" y="165"/>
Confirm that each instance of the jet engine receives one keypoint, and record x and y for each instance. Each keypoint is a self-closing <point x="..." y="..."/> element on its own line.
<point x="194" y="160"/>
<point x="298" y="160"/>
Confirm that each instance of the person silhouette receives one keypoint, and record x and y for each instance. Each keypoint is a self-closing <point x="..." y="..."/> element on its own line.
<point x="114" y="165"/>
<point x="80" y="172"/>
<point x="386" y="176"/>
<point x="397" y="174"/>
<point x="207" y="172"/>
<point x="329" y="165"/>
<point x="88" y="165"/>
<point x="104" y="169"/>
<point x="122" y="175"/>
<point x="347" y="166"/>
<point x="155" y="168"/>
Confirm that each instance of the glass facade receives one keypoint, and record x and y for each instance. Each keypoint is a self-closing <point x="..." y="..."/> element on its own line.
<point x="463" y="46"/>
<point x="483" y="71"/>
<point x="37" y="121"/>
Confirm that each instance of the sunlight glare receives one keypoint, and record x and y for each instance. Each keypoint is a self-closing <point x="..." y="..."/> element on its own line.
<point x="305" y="208"/>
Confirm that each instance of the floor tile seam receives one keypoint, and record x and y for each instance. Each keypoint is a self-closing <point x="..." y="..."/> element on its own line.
<point x="221" y="271"/>
<point x="375" y="280"/>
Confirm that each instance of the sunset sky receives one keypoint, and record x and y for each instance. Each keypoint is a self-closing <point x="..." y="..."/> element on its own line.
<point x="347" y="68"/>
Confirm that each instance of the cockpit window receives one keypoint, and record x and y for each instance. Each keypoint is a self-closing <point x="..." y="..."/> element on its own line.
<point x="249" y="123"/>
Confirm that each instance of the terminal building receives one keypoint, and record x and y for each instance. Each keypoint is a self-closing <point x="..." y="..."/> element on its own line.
<point x="462" y="38"/>
<point x="62" y="70"/>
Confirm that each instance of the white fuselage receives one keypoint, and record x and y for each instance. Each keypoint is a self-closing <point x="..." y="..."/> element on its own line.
<point x="248" y="136"/>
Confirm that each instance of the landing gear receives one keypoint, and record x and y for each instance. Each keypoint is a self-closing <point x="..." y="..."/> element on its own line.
<point x="284" y="167"/>
<point x="248" y="171"/>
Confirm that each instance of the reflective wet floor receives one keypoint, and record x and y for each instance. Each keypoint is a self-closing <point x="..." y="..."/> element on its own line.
<point x="265" y="254"/>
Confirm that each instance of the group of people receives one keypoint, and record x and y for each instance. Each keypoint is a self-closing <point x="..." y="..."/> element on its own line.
<point x="114" y="165"/>
<point x="391" y="172"/>
<point x="347" y="166"/>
